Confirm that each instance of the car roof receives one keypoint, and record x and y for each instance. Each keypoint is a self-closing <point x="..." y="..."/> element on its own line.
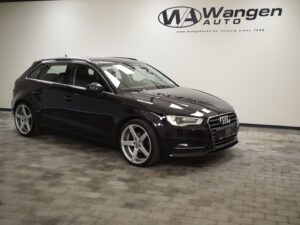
<point x="112" y="59"/>
<point x="96" y="60"/>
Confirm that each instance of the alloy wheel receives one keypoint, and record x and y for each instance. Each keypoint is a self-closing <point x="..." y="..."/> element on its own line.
<point x="23" y="119"/>
<point x="136" y="144"/>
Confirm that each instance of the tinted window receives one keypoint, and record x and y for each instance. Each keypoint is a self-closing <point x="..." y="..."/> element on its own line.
<point x="135" y="76"/>
<point x="57" y="69"/>
<point x="36" y="74"/>
<point x="84" y="75"/>
<point x="57" y="73"/>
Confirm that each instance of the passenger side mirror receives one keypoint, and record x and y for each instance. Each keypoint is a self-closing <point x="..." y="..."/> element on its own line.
<point x="94" y="87"/>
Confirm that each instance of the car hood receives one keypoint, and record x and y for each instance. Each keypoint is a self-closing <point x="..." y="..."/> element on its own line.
<point x="182" y="101"/>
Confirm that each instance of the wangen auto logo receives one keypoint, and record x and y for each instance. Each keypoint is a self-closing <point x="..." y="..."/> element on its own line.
<point x="224" y="120"/>
<point x="184" y="16"/>
<point x="179" y="17"/>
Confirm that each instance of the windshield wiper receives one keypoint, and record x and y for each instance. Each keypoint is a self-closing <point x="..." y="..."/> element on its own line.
<point x="133" y="89"/>
<point x="163" y="86"/>
<point x="146" y="88"/>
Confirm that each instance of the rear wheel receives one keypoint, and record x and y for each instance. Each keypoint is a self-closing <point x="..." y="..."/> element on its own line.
<point x="25" y="120"/>
<point x="139" y="143"/>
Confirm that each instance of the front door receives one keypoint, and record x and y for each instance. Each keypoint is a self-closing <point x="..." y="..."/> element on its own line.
<point x="90" y="113"/>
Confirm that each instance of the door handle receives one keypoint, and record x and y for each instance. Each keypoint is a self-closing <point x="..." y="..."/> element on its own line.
<point x="36" y="92"/>
<point x="68" y="98"/>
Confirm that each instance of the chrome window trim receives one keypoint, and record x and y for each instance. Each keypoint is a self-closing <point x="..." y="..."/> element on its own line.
<point x="69" y="85"/>
<point x="56" y="83"/>
<point x="64" y="85"/>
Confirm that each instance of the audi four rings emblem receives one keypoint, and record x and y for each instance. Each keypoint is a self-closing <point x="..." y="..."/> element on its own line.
<point x="224" y="120"/>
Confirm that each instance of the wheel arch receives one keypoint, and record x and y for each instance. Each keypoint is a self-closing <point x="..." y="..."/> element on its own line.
<point x="28" y="100"/>
<point x="146" y="116"/>
<point x="123" y="122"/>
<point x="34" y="127"/>
<point x="18" y="102"/>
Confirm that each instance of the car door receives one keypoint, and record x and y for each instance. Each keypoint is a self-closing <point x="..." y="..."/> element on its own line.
<point x="90" y="113"/>
<point x="56" y="78"/>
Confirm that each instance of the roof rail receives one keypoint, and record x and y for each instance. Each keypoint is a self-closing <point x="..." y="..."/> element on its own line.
<point x="125" y="58"/>
<point x="67" y="58"/>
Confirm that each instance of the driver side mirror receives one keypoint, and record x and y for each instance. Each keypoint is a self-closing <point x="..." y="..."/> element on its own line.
<point x="94" y="87"/>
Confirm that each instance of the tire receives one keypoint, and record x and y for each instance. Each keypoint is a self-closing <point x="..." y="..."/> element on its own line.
<point x="139" y="143"/>
<point x="26" y="120"/>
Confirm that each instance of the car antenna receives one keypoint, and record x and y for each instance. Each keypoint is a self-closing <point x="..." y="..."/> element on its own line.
<point x="66" y="55"/>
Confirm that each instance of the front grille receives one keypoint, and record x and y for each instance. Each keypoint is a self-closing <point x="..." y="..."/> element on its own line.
<point x="217" y="129"/>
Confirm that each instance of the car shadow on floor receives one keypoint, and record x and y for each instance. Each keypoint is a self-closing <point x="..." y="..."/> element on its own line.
<point x="213" y="159"/>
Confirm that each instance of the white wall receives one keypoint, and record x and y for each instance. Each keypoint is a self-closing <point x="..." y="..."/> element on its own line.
<point x="257" y="72"/>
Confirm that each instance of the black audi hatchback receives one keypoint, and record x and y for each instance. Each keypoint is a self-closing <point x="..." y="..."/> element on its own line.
<point x="123" y="102"/>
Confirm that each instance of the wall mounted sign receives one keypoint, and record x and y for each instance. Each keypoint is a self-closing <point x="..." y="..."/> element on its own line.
<point x="184" y="16"/>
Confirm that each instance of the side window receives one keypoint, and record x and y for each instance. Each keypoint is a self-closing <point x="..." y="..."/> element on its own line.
<point x="36" y="74"/>
<point x="84" y="76"/>
<point x="56" y="73"/>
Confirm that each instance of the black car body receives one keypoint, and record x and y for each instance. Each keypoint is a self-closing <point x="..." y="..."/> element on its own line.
<point x="68" y="97"/>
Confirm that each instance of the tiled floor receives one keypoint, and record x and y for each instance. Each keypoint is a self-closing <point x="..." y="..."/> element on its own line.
<point x="54" y="179"/>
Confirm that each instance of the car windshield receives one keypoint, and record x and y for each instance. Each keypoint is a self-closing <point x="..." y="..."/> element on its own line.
<point x="135" y="76"/>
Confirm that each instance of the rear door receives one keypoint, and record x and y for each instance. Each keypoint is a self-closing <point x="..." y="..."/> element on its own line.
<point x="56" y="78"/>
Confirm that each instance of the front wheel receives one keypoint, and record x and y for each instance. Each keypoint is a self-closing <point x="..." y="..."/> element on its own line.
<point x="25" y="120"/>
<point x="139" y="143"/>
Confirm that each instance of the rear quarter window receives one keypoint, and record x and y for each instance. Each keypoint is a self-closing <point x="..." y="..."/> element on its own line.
<point x="57" y="69"/>
<point x="56" y="73"/>
<point x="36" y="74"/>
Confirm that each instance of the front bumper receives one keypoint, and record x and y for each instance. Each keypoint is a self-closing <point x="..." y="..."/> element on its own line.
<point x="192" y="141"/>
<point x="198" y="152"/>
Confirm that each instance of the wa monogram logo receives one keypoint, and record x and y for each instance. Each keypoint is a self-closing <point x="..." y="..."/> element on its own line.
<point x="179" y="17"/>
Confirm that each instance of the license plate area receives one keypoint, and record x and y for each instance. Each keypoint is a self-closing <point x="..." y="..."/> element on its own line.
<point x="226" y="132"/>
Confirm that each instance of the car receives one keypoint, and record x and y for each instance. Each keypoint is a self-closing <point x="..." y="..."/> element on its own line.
<point x="123" y="102"/>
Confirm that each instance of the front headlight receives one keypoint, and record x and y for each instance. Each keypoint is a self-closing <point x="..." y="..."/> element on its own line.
<point x="182" y="121"/>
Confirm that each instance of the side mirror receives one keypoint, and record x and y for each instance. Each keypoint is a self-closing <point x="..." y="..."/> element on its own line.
<point x="94" y="87"/>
